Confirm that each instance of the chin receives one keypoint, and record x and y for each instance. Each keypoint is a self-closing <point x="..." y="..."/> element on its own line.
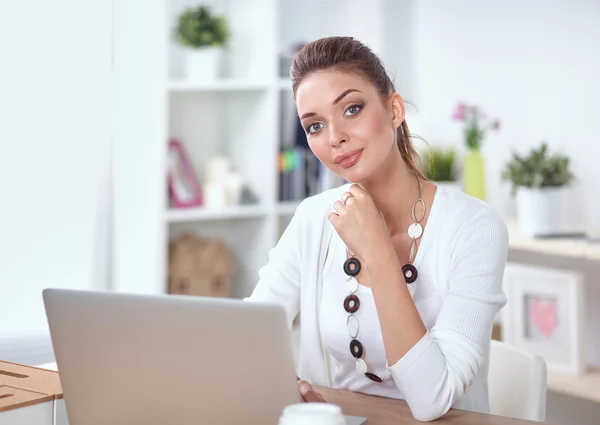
<point x="355" y="174"/>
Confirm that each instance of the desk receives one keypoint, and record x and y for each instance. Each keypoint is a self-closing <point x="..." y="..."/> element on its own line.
<point x="383" y="411"/>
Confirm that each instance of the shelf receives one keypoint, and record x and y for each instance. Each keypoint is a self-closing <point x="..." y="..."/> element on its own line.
<point x="586" y="386"/>
<point x="183" y="86"/>
<point x="564" y="247"/>
<point x="183" y="215"/>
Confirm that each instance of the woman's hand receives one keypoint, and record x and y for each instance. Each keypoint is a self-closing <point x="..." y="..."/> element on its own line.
<point x="358" y="222"/>
<point x="308" y="394"/>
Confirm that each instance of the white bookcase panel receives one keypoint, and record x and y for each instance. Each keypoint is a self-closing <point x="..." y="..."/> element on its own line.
<point x="236" y="212"/>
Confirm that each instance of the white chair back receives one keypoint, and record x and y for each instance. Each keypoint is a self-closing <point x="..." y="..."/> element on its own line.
<point x="517" y="383"/>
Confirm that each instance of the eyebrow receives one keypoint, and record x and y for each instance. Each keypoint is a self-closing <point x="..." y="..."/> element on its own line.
<point x="335" y="102"/>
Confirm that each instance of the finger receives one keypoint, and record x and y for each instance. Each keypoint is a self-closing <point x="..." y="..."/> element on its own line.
<point x="350" y="200"/>
<point x="339" y="207"/>
<point x="334" y="219"/>
<point x="306" y="391"/>
<point x="345" y="196"/>
<point x="304" y="386"/>
<point x="312" y="397"/>
<point x="356" y="190"/>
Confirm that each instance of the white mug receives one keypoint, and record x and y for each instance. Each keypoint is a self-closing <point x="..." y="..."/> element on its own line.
<point x="312" y="414"/>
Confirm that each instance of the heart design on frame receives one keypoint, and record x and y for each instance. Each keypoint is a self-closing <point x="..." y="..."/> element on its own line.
<point x="544" y="314"/>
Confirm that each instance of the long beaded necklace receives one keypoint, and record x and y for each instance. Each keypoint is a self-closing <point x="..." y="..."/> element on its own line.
<point x="351" y="303"/>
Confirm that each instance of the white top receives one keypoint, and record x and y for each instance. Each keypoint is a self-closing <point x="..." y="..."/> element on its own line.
<point x="461" y="262"/>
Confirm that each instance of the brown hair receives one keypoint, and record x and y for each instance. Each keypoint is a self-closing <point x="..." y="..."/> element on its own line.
<point x="349" y="54"/>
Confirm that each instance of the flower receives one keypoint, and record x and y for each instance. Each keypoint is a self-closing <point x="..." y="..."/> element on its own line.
<point x="460" y="113"/>
<point x="476" y="124"/>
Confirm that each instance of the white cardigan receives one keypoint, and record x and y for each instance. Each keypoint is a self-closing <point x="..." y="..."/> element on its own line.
<point x="448" y="366"/>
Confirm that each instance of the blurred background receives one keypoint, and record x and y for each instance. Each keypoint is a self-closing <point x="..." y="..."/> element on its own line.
<point x="154" y="147"/>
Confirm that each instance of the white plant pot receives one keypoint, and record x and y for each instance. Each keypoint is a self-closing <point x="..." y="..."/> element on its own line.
<point x="202" y="65"/>
<point x="543" y="212"/>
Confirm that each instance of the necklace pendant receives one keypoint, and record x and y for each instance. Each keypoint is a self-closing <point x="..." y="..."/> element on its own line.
<point x="415" y="230"/>
<point x="351" y="303"/>
<point x="352" y="266"/>
<point x="361" y="366"/>
<point x="351" y="284"/>
<point x="373" y="377"/>
<point x="410" y="273"/>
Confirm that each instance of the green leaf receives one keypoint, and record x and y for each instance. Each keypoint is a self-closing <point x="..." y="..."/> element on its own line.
<point x="439" y="164"/>
<point x="197" y="27"/>
<point x="538" y="169"/>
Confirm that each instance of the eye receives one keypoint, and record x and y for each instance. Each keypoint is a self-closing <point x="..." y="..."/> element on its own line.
<point x="353" y="110"/>
<point x="311" y="128"/>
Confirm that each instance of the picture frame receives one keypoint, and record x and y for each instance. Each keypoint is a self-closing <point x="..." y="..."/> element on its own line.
<point x="544" y="315"/>
<point x="184" y="190"/>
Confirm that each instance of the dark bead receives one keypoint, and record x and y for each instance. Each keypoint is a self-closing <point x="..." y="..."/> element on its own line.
<point x="356" y="348"/>
<point x="373" y="377"/>
<point x="351" y="303"/>
<point x="351" y="266"/>
<point x="410" y="273"/>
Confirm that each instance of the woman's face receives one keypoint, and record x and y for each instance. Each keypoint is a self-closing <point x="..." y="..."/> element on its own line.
<point x="348" y="126"/>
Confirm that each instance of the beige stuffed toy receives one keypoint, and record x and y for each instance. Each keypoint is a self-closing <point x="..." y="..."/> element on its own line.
<point x="200" y="267"/>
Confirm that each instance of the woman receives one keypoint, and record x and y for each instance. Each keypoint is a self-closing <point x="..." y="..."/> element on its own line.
<point x="397" y="280"/>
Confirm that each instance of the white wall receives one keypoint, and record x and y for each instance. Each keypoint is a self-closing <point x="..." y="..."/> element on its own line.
<point x="534" y="64"/>
<point x="139" y="145"/>
<point x="55" y="120"/>
<point x="308" y="20"/>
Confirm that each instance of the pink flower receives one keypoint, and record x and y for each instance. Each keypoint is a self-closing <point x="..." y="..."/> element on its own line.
<point x="496" y="125"/>
<point x="460" y="113"/>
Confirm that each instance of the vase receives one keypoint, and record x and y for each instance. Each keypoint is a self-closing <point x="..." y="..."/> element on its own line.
<point x="474" y="174"/>
<point x="203" y="64"/>
<point x="543" y="212"/>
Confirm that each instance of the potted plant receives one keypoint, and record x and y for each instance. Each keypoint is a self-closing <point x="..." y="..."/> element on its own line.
<point x="440" y="166"/>
<point x="540" y="181"/>
<point x="476" y="126"/>
<point x="204" y="36"/>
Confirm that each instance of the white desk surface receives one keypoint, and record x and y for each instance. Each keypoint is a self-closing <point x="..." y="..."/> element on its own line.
<point x="565" y="247"/>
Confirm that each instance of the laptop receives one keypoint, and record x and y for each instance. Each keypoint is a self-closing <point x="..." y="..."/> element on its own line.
<point x="155" y="359"/>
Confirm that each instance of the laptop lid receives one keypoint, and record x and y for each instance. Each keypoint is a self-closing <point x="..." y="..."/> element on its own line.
<point x="158" y="359"/>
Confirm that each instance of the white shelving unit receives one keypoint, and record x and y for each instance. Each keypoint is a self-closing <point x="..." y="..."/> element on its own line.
<point x="234" y="117"/>
<point x="238" y="116"/>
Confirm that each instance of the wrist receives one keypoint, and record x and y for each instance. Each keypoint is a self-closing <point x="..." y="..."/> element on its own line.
<point x="382" y="254"/>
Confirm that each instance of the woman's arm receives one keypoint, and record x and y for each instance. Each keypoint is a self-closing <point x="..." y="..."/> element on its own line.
<point x="434" y="368"/>
<point x="401" y="323"/>
<point x="279" y="278"/>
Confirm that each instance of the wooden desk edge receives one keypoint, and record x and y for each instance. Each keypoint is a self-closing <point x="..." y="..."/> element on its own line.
<point x="386" y="411"/>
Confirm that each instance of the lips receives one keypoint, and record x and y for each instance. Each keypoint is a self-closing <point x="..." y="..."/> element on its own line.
<point x="348" y="159"/>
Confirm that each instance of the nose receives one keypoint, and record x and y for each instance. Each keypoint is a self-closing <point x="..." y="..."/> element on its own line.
<point x="337" y="134"/>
